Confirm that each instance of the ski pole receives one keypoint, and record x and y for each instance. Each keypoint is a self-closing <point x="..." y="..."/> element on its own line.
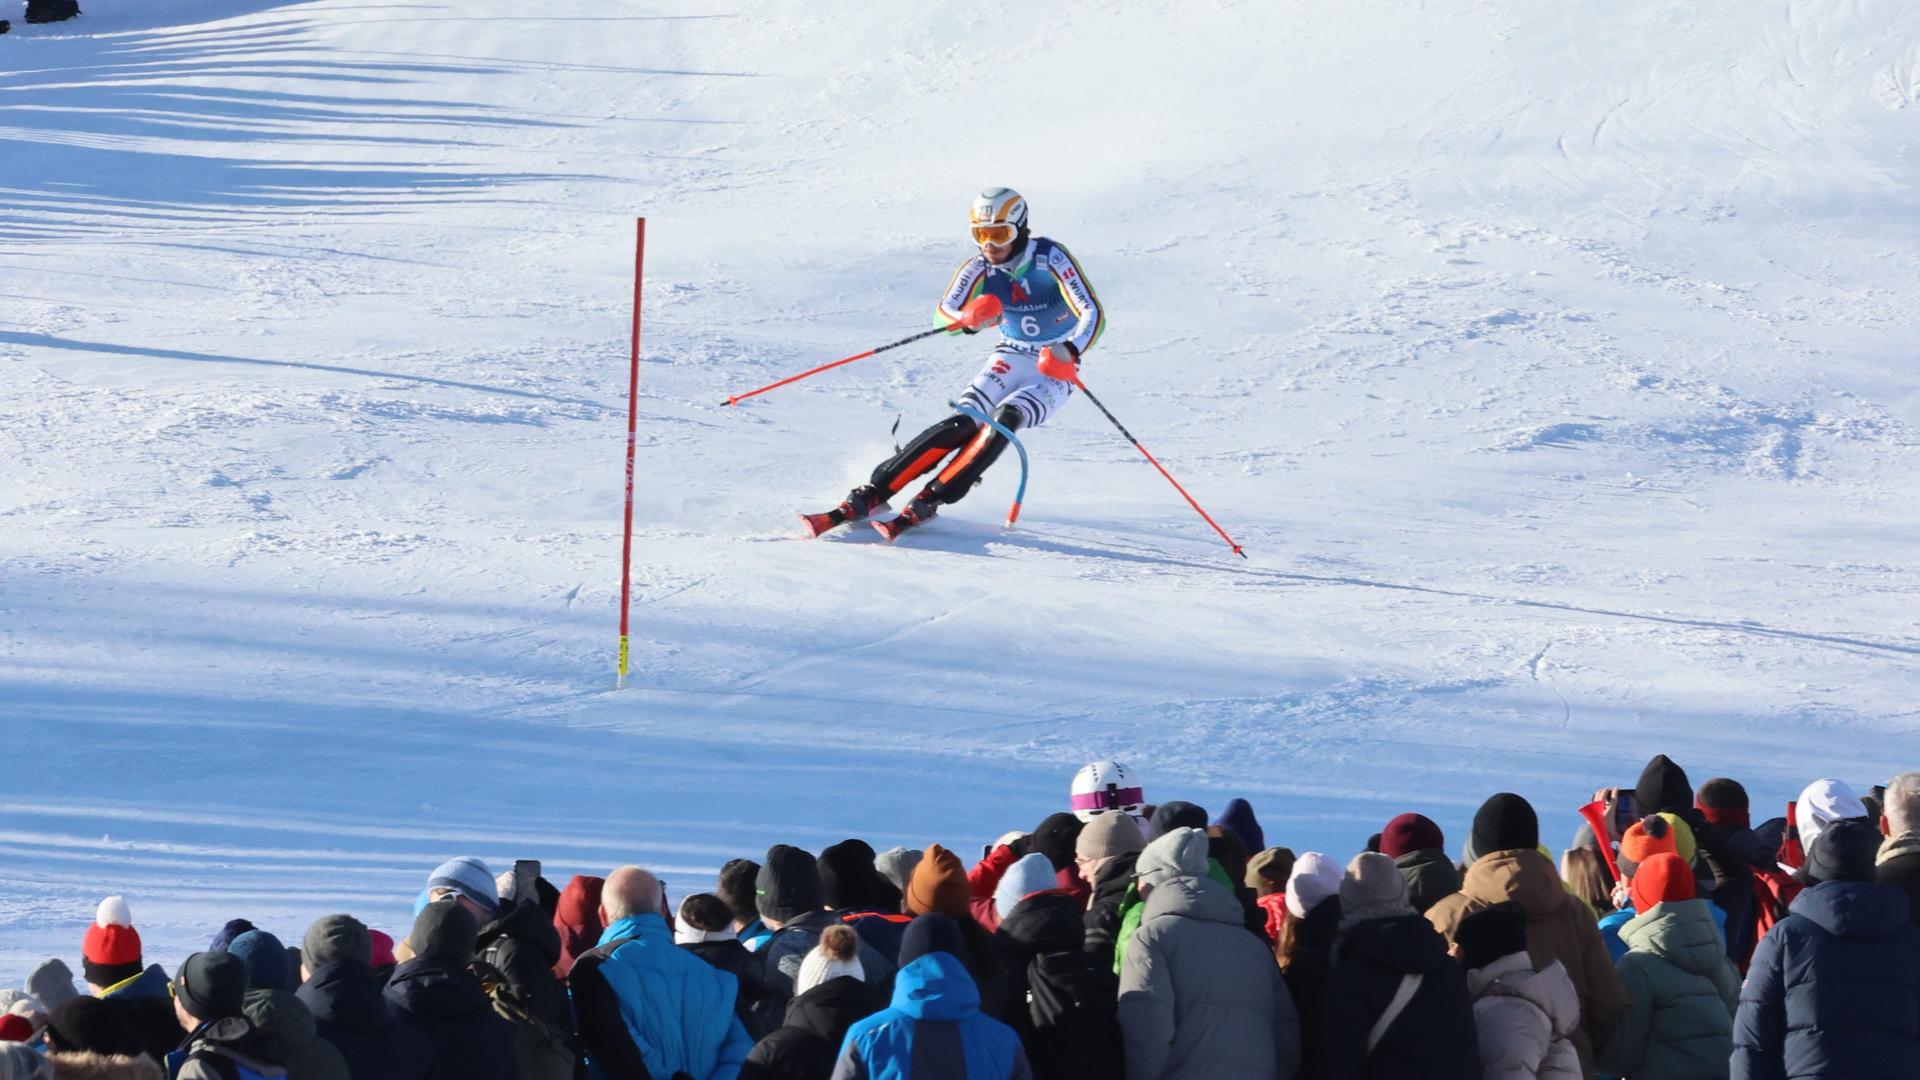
<point x="981" y="311"/>
<point x="1054" y="367"/>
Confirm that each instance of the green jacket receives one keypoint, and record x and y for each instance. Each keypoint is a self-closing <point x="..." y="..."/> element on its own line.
<point x="1133" y="909"/>
<point x="1682" y="993"/>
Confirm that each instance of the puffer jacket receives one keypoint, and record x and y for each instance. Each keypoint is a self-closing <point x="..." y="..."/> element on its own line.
<point x="1432" y="1037"/>
<point x="767" y="976"/>
<point x="1558" y="928"/>
<point x="817" y="1023"/>
<point x="292" y="1037"/>
<point x="350" y="1011"/>
<point x="934" y="1030"/>
<point x="1525" y="1020"/>
<point x="647" y="1007"/>
<point x="1200" y="998"/>
<point x="446" y="1004"/>
<point x="1681" y="992"/>
<point x="1431" y="877"/>
<point x="1834" y="990"/>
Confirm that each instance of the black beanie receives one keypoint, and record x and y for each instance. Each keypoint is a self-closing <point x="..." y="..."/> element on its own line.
<point x="1169" y="816"/>
<point x="1504" y="823"/>
<point x="211" y="985"/>
<point x="1663" y="786"/>
<point x="789" y="884"/>
<point x="93" y="1024"/>
<point x="932" y="932"/>
<point x="1055" y="839"/>
<point x="848" y="878"/>
<point x="1491" y="933"/>
<point x="445" y="931"/>
<point x="1844" y="851"/>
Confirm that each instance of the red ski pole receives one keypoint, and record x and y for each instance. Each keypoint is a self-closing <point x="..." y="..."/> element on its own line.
<point x="1054" y="367"/>
<point x="980" y="312"/>
<point x="633" y="427"/>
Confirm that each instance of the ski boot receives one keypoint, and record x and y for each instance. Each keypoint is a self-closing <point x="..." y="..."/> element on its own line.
<point x="861" y="502"/>
<point x="918" y="512"/>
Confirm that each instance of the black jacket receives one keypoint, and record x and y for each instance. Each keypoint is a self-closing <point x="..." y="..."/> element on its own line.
<point x="1902" y="871"/>
<point x="1103" y="908"/>
<point x="446" y="1004"/>
<point x="817" y="1023"/>
<point x="219" y="1049"/>
<point x="1724" y="875"/>
<point x="1058" y="997"/>
<point x="1433" y="1038"/>
<point x="523" y="945"/>
<point x="350" y="1011"/>
<point x="1306" y="977"/>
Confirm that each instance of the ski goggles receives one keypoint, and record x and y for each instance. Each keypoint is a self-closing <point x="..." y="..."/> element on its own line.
<point x="999" y="235"/>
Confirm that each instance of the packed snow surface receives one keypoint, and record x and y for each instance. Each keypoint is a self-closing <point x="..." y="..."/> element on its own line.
<point x="1554" y="364"/>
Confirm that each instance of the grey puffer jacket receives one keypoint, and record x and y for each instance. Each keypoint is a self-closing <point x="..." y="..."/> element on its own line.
<point x="1199" y="997"/>
<point x="1526" y="1020"/>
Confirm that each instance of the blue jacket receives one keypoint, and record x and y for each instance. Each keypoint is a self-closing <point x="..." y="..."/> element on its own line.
<point x="1612" y="921"/>
<point x="934" y="1030"/>
<point x="639" y="994"/>
<point x="1834" y="990"/>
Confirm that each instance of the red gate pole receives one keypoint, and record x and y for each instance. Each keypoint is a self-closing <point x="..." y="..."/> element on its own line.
<point x="633" y="428"/>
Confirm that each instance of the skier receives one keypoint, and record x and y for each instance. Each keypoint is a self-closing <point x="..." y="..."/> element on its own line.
<point x="1048" y="305"/>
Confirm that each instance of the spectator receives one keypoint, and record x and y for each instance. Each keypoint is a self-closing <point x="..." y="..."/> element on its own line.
<point x="1396" y="1004"/>
<point x="576" y="920"/>
<point x="1559" y="927"/>
<point x="287" y="1029"/>
<point x="1820" y="804"/>
<point x="1175" y="814"/>
<point x="1653" y="835"/>
<point x="340" y="988"/>
<point x="209" y="997"/>
<point x="1183" y="851"/>
<point x="1898" y="863"/>
<point x="1106" y="853"/>
<point x="1681" y="987"/>
<point x="51" y="984"/>
<point x="792" y="904"/>
<point x="1267" y="874"/>
<point x="855" y="890"/>
<point x="1199" y="996"/>
<point x="1584" y="870"/>
<point x="1524" y="1019"/>
<point x="1054" y="838"/>
<point x="646" y="1007"/>
<point x="1238" y="816"/>
<point x="1834" y="989"/>
<point x="1416" y="846"/>
<point x="1305" y="948"/>
<point x="90" y="1025"/>
<point x="1723" y="873"/>
<point x="517" y="938"/>
<point x="705" y="929"/>
<point x="17" y="1060"/>
<point x="896" y="865"/>
<point x="934" y="1029"/>
<point x="830" y="995"/>
<point x="1058" y="997"/>
<point x="110" y="956"/>
<point x="435" y="995"/>
<point x="738" y="880"/>
<point x="939" y="885"/>
<point x="1230" y="860"/>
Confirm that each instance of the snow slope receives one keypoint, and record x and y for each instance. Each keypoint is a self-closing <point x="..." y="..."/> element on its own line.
<point x="1554" y="366"/>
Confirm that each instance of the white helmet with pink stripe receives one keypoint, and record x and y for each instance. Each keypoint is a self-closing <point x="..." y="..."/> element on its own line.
<point x="1103" y="787"/>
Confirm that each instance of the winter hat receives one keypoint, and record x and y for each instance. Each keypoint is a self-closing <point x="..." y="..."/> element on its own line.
<point x="788" y="885"/>
<point x="1662" y="876"/>
<point x="1491" y="933"/>
<point x="1372" y="888"/>
<point x="1238" y="816"/>
<point x="1109" y="835"/>
<point x="1315" y="877"/>
<point x="19" y="1062"/>
<point x="1823" y="802"/>
<point x="96" y="1024"/>
<point x="1169" y="816"/>
<point x="52" y="984"/>
<point x="470" y="878"/>
<point x="1267" y="872"/>
<point x="703" y="917"/>
<point x="1180" y="853"/>
<point x="1724" y="803"/>
<point x="335" y="938"/>
<point x="265" y="958"/>
<point x="736" y="887"/>
<point x="380" y="951"/>
<point x="848" y="878"/>
<point x="939" y="884"/>
<point x="836" y="954"/>
<point x="28" y="1011"/>
<point x="445" y="931"/>
<point x="226" y="934"/>
<point x="1033" y="873"/>
<point x="211" y="985"/>
<point x="1684" y="844"/>
<point x="15" y="1028"/>
<point x="896" y="865"/>
<point x="1409" y="833"/>
<point x="1644" y="839"/>
<point x="1057" y="836"/>
<point x="1663" y="786"/>
<point x="1504" y="823"/>
<point x="110" y="953"/>
<point x="929" y="933"/>
<point x="1844" y="851"/>
<point x="505" y="886"/>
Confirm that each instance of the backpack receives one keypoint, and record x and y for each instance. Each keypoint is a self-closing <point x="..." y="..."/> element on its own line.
<point x="543" y="1051"/>
<point x="1069" y="1021"/>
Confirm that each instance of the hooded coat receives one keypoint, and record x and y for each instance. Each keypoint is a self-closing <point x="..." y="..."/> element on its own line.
<point x="648" y="1007"/>
<point x="1431" y="1039"/>
<point x="933" y="1030"/>
<point x="1558" y="928"/>
<point x="1834" y="990"/>
<point x="444" y="1003"/>
<point x="1682" y="991"/>
<point x="350" y="1011"/>
<point x="1525" y="1020"/>
<point x="768" y="974"/>
<point x="1058" y="999"/>
<point x="1200" y="998"/>
<point x="1431" y="877"/>
<point x="217" y="1049"/>
<point x="817" y="1023"/>
<point x="576" y="920"/>
<point x="292" y="1036"/>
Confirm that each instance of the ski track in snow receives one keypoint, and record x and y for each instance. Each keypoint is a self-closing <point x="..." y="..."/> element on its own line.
<point x="1553" y="367"/>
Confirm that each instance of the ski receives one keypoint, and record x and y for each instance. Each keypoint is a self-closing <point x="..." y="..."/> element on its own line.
<point x="816" y="524"/>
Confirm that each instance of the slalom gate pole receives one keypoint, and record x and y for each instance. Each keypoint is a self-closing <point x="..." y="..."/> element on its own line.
<point x="633" y="428"/>
<point x="1020" y="494"/>
<point x="980" y="311"/>
<point x="1067" y="371"/>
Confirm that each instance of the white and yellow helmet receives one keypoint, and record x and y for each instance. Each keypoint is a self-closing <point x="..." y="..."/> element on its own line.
<point x="999" y="216"/>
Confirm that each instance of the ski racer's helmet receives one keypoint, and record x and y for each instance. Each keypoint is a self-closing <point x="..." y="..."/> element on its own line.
<point x="999" y="217"/>
<point x="1103" y="787"/>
